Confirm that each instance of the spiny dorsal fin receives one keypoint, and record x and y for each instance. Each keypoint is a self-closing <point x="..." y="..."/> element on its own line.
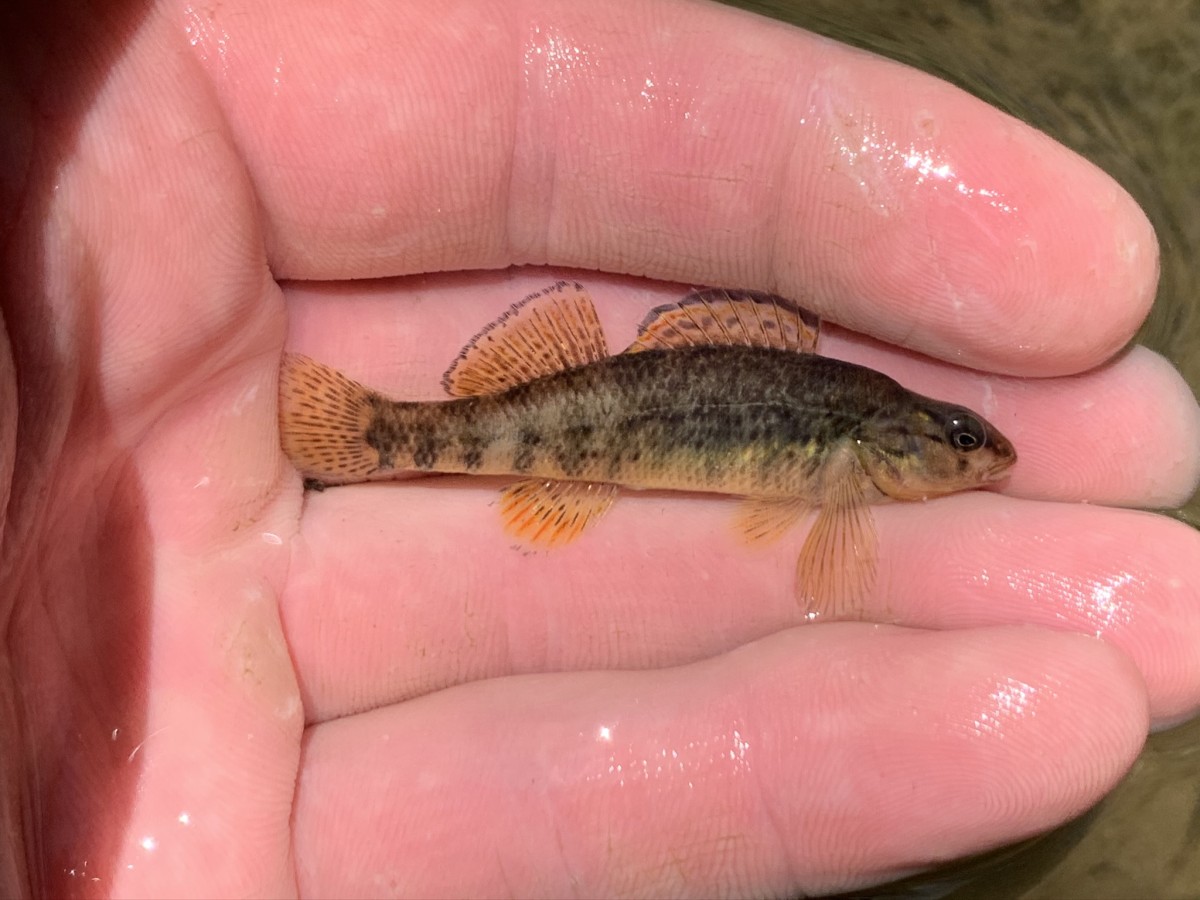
<point x="550" y="513"/>
<point x="720" y="316"/>
<point x="323" y="420"/>
<point x="547" y="332"/>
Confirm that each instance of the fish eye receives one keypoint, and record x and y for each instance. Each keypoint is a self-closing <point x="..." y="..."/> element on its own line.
<point x="966" y="432"/>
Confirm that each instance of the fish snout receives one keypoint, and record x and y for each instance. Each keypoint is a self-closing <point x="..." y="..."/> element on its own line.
<point x="1004" y="456"/>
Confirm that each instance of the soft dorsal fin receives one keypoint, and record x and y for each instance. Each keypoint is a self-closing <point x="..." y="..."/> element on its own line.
<point x="720" y="316"/>
<point x="547" y="332"/>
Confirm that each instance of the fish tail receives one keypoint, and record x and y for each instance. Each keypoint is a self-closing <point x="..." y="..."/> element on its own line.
<point x="323" y="421"/>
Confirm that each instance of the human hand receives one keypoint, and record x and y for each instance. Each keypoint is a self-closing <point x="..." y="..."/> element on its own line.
<point x="225" y="688"/>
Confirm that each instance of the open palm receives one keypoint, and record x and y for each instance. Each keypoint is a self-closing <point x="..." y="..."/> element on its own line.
<point x="220" y="686"/>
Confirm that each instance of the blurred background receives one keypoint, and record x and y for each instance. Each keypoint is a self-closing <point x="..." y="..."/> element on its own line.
<point x="1118" y="81"/>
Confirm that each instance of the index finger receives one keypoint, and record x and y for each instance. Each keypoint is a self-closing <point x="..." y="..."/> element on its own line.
<point x="683" y="141"/>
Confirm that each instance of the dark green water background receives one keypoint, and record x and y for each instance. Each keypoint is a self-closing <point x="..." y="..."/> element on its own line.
<point x="1119" y="82"/>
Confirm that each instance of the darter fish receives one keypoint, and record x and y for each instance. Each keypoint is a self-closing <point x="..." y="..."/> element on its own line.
<point x="722" y="392"/>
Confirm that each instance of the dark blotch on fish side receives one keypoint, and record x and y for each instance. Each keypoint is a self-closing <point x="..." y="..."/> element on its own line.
<point x="426" y="451"/>
<point x="527" y="442"/>
<point x="576" y="449"/>
<point x="384" y="434"/>
<point x="472" y="453"/>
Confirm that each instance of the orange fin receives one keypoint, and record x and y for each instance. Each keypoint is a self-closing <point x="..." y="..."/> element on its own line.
<point x="766" y="518"/>
<point x="552" y="513"/>
<point x="836" y="568"/>
<point x="323" y="420"/>
<point x="547" y="332"/>
<point x="719" y="316"/>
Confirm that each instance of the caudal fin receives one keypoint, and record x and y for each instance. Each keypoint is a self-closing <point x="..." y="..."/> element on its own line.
<point x="323" y="421"/>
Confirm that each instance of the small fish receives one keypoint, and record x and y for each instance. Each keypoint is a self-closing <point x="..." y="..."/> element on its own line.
<point x="722" y="392"/>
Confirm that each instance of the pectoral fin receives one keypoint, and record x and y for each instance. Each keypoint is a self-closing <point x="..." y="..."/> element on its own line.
<point x="724" y="317"/>
<point x="836" y="569"/>
<point x="550" y="513"/>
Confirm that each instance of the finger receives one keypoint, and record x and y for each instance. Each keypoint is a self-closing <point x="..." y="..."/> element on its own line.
<point x="215" y="748"/>
<point x="664" y="580"/>
<point x="158" y="712"/>
<point x="1124" y="434"/>
<point x="472" y="135"/>
<point x="1129" y="578"/>
<point x="781" y="768"/>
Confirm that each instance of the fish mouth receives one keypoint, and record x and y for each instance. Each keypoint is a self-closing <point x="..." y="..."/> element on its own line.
<point x="998" y="470"/>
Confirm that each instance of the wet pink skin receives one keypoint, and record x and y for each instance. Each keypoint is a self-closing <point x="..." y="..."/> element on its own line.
<point x="220" y="686"/>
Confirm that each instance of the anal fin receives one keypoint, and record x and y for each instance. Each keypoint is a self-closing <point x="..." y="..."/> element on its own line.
<point x="547" y="513"/>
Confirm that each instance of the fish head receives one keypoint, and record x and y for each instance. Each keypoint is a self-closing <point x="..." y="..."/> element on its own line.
<point x="926" y="448"/>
